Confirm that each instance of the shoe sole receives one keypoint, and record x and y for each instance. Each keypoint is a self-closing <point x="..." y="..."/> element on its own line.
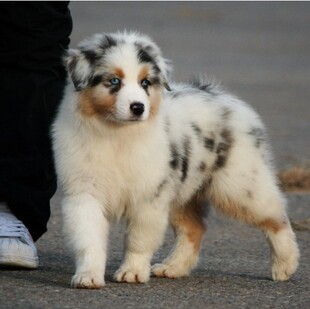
<point x="18" y="262"/>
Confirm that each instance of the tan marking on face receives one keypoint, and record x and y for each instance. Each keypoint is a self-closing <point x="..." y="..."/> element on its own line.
<point x="155" y="93"/>
<point x="144" y="72"/>
<point x="190" y="221"/>
<point x="119" y="73"/>
<point x="155" y="99"/>
<point x="93" y="103"/>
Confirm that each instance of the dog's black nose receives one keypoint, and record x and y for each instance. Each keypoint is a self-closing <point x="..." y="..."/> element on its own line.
<point x="137" y="108"/>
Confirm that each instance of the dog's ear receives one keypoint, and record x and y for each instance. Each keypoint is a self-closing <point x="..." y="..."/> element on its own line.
<point x="78" y="67"/>
<point x="148" y="51"/>
<point x="167" y="72"/>
<point x="166" y="85"/>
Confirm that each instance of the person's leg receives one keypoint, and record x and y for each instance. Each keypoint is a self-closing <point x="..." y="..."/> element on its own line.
<point x="27" y="177"/>
<point x="32" y="81"/>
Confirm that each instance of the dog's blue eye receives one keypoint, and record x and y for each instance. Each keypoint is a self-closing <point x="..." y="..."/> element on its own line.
<point x="115" y="81"/>
<point x="145" y="83"/>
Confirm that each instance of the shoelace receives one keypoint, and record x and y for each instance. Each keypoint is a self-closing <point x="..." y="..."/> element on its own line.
<point x="11" y="227"/>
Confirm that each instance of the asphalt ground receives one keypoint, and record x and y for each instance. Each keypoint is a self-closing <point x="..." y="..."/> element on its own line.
<point x="260" y="51"/>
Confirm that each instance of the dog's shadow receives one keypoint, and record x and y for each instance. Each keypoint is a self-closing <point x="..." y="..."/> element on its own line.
<point x="56" y="272"/>
<point x="43" y="276"/>
<point x="226" y="275"/>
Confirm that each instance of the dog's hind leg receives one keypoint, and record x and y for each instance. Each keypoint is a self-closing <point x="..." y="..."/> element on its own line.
<point x="254" y="198"/>
<point x="189" y="226"/>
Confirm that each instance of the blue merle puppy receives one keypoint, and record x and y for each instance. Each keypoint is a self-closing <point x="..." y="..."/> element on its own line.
<point x="129" y="145"/>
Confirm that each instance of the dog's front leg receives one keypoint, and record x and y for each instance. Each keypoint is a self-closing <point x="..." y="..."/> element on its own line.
<point x="86" y="229"/>
<point x="145" y="231"/>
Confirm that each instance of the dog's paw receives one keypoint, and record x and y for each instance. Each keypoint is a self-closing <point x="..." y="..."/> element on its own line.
<point x="87" y="280"/>
<point x="283" y="270"/>
<point x="284" y="267"/>
<point x="132" y="274"/>
<point x="169" y="271"/>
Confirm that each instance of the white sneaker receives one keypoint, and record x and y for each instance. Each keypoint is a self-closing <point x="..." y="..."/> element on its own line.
<point x="17" y="248"/>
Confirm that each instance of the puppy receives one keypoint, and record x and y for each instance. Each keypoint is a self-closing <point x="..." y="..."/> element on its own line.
<point x="126" y="147"/>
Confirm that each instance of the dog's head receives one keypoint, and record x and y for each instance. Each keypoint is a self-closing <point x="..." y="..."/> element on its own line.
<point x="118" y="76"/>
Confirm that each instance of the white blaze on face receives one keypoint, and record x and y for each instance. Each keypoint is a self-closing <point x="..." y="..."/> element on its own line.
<point x="131" y="93"/>
<point x="125" y="58"/>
